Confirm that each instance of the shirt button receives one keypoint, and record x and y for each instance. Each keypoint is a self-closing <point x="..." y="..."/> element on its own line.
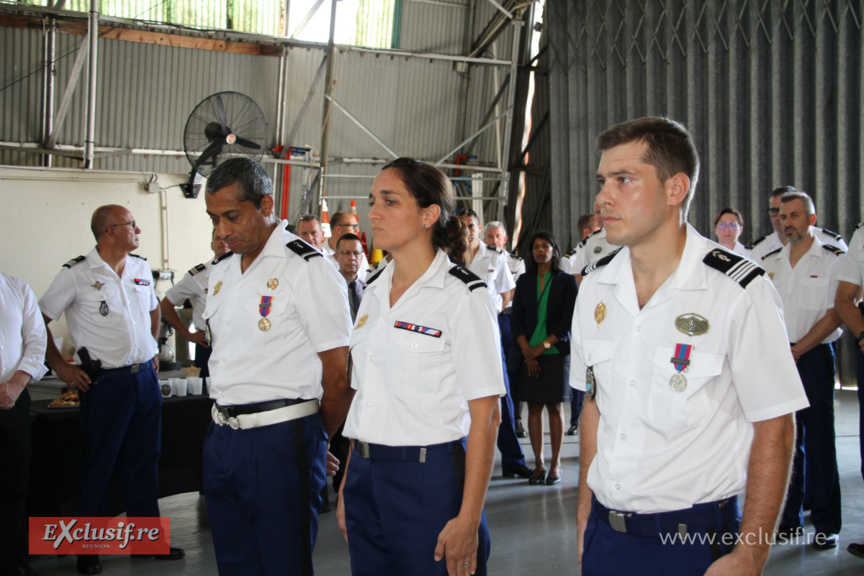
<point x="632" y="383"/>
<point x="589" y="357"/>
<point x="385" y="317"/>
<point x="368" y="403"/>
<point x="413" y="345"/>
<point x="228" y="323"/>
<point x="371" y="358"/>
<point x="617" y="487"/>
<point x="623" y="436"/>
<point x="638" y="328"/>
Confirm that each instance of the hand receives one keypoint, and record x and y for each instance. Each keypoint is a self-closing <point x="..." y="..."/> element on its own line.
<point x="9" y="393"/>
<point x="533" y="352"/>
<point x="580" y="541"/>
<point x="340" y="512"/>
<point x="332" y="464"/>
<point x="73" y="376"/>
<point x="533" y="367"/>
<point x="156" y="363"/>
<point x="458" y="543"/>
<point x="199" y="338"/>
<point x="796" y="353"/>
<point x="739" y="564"/>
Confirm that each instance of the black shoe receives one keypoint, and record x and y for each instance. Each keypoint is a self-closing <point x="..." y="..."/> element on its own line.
<point x="552" y="480"/>
<point x="520" y="431"/>
<point x="789" y="532"/>
<point x="571" y="431"/>
<point x="538" y="478"/>
<point x="522" y="472"/>
<point x="856" y="550"/>
<point x="825" y="541"/>
<point x="89" y="564"/>
<point x="173" y="554"/>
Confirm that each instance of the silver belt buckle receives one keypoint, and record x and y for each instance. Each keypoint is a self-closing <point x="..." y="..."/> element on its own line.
<point x="617" y="521"/>
<point x="220" y="418"/>
<point x="135" y="369"/>
<point x="363" y="449"/>
<point x="233" y="423"/>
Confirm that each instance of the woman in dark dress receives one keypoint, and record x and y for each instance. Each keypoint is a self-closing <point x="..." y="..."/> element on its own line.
<point x="541" y="318"/>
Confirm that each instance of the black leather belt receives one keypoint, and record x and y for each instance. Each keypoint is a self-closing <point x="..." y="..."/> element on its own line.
<point x="699" y="518"/>
<point x="404" y="453"/>
<point x="234" y="411"/>
<point x="133" y="369"/>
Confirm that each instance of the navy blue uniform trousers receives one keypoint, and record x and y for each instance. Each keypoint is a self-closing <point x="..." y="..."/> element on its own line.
<point x="15" y="455"/>
<point x="121" y="426"/>
<point x="607" y="552"/>
<point x="512" y="457"/>
<point x="860" y="357"/>
<point x="202" y="359"/>
<point x="815" y="450"/>
<point x="262" y="487"/>
<point x="395" y="507"/>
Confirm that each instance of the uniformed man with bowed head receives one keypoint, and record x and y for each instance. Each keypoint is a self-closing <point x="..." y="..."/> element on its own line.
<point x="691" y="386"/>
<point x="279" y="327"/>
<point x="112" y="311"/>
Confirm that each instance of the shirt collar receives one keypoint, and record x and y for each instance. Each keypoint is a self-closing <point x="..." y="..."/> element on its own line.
<point x="433" y="276"/>
<point x="814" y="250"/>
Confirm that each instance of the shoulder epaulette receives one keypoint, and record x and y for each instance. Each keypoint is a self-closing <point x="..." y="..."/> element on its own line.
<point x="772" y="253"/>
<point x="74" y="261"/>
<point x="833" y="249"/>
<point x="831" y="233"/>
<point x="738" y="268"/>
<point x="223" y="257"/>
<point x="303" y="250"/>
<point x="601" y="262"/>
<point x="757" y="241"/>
<point x="494" y="249"/>
<point x="197" y="269"/>
<point x="472" y="280"/>
<point x="859" y="225"/>
<point x="137" y="256"/>
<point x="570" y="253"/>
<point x="375" y="275"/>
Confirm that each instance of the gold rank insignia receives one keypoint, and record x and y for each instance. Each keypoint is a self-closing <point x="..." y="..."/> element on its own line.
<point x="599" y="313"/>
<point x="692" y="324"/>
<point x="771" y="275"/>
<point x="362" y="321"/>
<point x="217" y="287"/>
<point x="97" y="285"/>
<point x="272" y="283"/>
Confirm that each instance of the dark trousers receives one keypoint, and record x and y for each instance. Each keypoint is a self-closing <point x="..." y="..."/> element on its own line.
<point x="576" y="407"/>
<point x="815" y="450"/>
<point x="395" y="507"/>
<point x="263" y="490"/>
<point x="121" y="427"/>
<point x="512" y="457"/>
<point x="607" y="552"/>
<point x="860" y="358"/>
<point x="15" y="456"/>
<point x="202" y="358"/>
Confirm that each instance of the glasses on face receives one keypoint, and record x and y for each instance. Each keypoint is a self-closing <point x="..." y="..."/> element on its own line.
<point x="131" y="224"/>
<point x="773" y="211"/>
<point x="729" y="225"/>
<point x="350" y="253"/>
<point x="351" y="226"/>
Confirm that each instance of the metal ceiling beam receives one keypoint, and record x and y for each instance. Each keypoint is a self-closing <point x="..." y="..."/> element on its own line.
<point x="440" y="162"/>
<point x="71" y="86"/>
<point x="309" y="15"/>
<point x="362" y="127"/>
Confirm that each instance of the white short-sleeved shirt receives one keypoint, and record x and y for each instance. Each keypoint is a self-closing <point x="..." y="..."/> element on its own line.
<point x="490" y="264"/>
<point x="767" y="244"/>
<point x="22" y="331"/>
<point x="418" y="363"/>
<point x="808" y="289"/>
<point x="308" y="314"/>
<point x="590" y="250"/>
<point x="516" y="265"/>
<point x="107" y="314"/>
<point x="193" y="286"/>
<point x="658" y="449"/>
<point x="852" y="268"/>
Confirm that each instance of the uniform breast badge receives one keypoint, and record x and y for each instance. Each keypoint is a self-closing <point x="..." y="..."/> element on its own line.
<point x="272" y="283"/>
<point x="103" y="308"/>
<point x="97" y="285"/>
<point x="217" y="287"/>
<point x="362" y="321"/>
<point x="680" y="361"/>
<point x="599" y="313"/>
<point x="264" y="310"/>
<point x="692" y="324"/>
<point x="590" y="383"/>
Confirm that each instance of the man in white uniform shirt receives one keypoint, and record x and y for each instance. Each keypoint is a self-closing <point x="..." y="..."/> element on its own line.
<point x="309" y="229"/>
<point x="343" y="223"/>
<point x="776" y="240"/>
<point x="193" y="287"/>
<point x="805" y="273"/>
<point x="112" y="311"/>
<point x="690" y="384"/>
<point x="22" y="360"/>
<point x="279" y="327"/>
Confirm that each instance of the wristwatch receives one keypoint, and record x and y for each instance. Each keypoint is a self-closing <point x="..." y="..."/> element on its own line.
<point x="547" y="346"/>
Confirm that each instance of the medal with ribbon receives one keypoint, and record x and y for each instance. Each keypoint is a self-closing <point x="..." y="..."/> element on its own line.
<point x="680" y="361"/>
<point x="264" y="310"/>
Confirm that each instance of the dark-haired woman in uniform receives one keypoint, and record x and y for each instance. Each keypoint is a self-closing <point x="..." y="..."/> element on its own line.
<point x="427" y="371"/>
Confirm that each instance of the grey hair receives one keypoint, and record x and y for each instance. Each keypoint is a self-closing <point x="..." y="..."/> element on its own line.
<point x="800" y="195"/>
<point x="494" y="224"/>
<point x="254" y="181"/>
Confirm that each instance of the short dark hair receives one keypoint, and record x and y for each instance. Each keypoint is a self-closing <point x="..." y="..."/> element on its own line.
<point x="251" y="176"/>
<point x="470" y="212"/>
<point x="732" y="211"/>
<point x="584" y="221"/>
<point x="348" y="238"/>
<point x="780" y="190"/>
<point x="531" y="264"/>
<point x="670" y="148"/>
<point x="310" y="218"/>
<point x="800" y="195"/>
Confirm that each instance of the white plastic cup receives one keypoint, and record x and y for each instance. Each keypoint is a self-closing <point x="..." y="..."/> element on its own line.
<point x="194" y="386"/>
<point x="178" y="385"/>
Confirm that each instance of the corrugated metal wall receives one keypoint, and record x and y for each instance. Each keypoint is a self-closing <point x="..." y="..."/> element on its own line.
<point x="770" y="90"/>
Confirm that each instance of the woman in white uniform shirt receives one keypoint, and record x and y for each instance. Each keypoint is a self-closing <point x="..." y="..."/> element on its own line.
<point x="728" y="226"/>
<point x="428" y="376"/>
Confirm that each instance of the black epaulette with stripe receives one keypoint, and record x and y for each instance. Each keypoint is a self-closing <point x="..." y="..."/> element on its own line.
<point x="772" y="253"/>
<point x="601" y="262"/>
<point x="494" y="249"/>
<point x="137" y="256"/>
<point x="757" y="241"/>
<point x="570" y="253"/>
<point x="835" y="235"/>
<point x="222" y="257"/>
<point x="197" y="269"/>
<point x="472" y="280"/>
<point x="833" y="249"/>
<point x="859" y="225"/>
<point x="740" y="269"/>
<point x="303" y="250"/>
<point x="375" y="275"/>
<point x="74" y="261"/>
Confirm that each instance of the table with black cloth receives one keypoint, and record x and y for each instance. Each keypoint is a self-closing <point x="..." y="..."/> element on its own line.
<point x="55" y="469"/>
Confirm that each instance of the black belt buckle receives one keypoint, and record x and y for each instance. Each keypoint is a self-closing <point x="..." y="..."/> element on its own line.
<point x="363" y="449"/>
<point x="618" y="521"/>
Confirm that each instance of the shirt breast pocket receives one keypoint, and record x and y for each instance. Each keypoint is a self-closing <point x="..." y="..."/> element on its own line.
<point x="98" y="305"/>
<point x="597" y="355"/>
<point x="673" y="408"/>
<point x="814" y="292"/>
<point x="417" y="359"/>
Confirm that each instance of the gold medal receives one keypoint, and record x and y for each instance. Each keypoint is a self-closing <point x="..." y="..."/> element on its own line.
<point x="264" y="324"/>
<point x="217" y="287"/>
<point x="678" y="383"/>
<point x="272" y="283"/>
<point x="599" y="313"/>
<point x="362" y="321"/>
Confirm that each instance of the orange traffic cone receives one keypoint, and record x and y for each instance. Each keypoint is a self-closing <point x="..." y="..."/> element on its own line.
<point x="325" y="219"/>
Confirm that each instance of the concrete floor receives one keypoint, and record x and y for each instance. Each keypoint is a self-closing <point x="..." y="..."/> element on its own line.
<point x="533" y="528"/>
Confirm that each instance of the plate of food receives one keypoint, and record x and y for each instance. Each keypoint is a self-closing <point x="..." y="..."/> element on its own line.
<point x="66" y="400"/>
